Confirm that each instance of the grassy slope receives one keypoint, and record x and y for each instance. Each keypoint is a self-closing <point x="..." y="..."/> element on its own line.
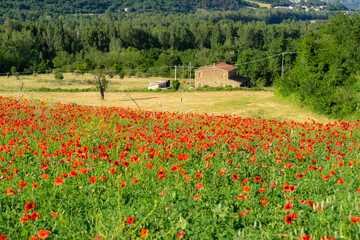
<point x="240" y="103"/>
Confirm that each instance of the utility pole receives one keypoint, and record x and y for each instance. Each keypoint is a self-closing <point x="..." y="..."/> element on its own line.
<point x="282" y="66"/>
<point x="175" y="72"/>
<point x="190" y="73"/>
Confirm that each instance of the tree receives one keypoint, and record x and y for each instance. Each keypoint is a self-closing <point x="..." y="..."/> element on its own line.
<point x="100" y="81"/>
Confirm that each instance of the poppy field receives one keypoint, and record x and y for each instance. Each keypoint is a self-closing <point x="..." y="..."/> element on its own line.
<point x="83" y="172"/>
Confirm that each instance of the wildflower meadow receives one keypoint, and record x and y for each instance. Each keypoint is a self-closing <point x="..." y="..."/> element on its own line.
<point x="85" y="172"/>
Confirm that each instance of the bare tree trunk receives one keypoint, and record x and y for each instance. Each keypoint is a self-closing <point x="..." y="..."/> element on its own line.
<point x="102" y="94"/>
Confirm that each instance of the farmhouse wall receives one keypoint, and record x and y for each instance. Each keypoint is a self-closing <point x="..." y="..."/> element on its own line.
<point x="215" y="77"/>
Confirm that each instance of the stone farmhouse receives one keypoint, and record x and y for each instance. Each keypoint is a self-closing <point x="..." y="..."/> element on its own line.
<point x="219" y="75"/>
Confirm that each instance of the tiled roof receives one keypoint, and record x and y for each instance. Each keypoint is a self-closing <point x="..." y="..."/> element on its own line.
<point x="222" y="65"/>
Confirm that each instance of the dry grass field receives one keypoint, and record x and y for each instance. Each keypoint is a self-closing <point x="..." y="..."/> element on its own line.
<point x="260" y="3"/>
<point x="70" y="81"/>
<point x="240" y="103"/>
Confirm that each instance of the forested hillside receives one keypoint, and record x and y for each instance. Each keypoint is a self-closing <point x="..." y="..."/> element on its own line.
<point x="25" y="7"/>
<point x="142" y="44"/>
<point x="351" y="4"/>
<point x="325" y="76"/>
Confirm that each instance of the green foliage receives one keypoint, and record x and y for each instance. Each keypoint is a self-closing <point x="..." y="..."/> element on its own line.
<point x="59" y="75"/>
<point x="175" y="84"/>
<point x="325" y="74"/>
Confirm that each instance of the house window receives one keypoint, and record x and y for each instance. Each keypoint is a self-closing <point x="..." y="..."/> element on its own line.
<point x="200" y="74"/>
<point x="223" y="75"/>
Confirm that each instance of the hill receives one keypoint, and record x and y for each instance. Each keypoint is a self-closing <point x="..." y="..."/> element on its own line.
<point x="101" y="6"/>
<point x="351" y="4"/>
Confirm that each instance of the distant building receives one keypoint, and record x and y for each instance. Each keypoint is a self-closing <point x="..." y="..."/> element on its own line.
<point x="219" y="75"/>
<point x="159" y="84"/>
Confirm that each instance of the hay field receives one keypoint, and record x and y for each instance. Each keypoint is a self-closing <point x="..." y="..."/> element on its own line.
<point x="70" y="81"/>
<point x="266" y="5"/>
<point x="241" y="103"/>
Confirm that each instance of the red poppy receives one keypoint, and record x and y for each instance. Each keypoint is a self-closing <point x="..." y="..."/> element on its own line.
<point x="34" y="238"/>
<point x="43" y="234"/>
<point x="340" y="181"/>
<point x="355" y="219"/>
<point x="25" y="218"/>
<point x="307" y="237"/>
<point x="123" y="184"/>
<point x="130" y="220"/>
<point x="29" y="206"/>
<point x="199" y="186"/>
<point x="58" y="181"/>
<point x="288" y="206"/>
<point x="134" y="180"/>
<point x="73" y="173"/>
<point x="180" y="234"/>
<point x="53" y="215"/>
<point x="34" y="215"/>
<point x="196" y="197"/>
<point x="257" y="179"/>
<point x="3" y="237"/>
<point x="262" y="190"/>
<point x="83" y="170"/>
<point x="246" y="189"/>
<point x="93" y="180"/>
<point x="241" y="197"/>
<point x="22" y="184"/>
<point x="235" y="177"/>
<point x="144" y="233"/>
<point x="10" y="191"/>
<point x="45" y="176"/>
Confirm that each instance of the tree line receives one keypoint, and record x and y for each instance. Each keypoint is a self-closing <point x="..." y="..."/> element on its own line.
<point x="147" y="42"/>
<point x="325" y="75"/>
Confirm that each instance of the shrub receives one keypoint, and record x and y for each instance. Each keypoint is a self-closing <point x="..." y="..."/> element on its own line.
<point x="175" y="84"/>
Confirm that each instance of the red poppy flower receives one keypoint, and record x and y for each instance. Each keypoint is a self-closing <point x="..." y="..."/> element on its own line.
<point x="58" y="181"/>
<point x="53" y="215"/>
<point x="22" y="184"/>
<point x="307" y="237"/>
<point x="25" y="218"/>
<point x="241" y="214"/>
<point x="257" y="179"/>
<point x="241" y="197"/>
<point x="93" y="180"/>
<point x="262" y="190"/>
<point x="34" y="238"/>
<point x="144" y="233"/>
<point x="29" y="206"/>
<point x="43" y="234"/>
<point x="288" y="206"/>
<point x="340" y="181"/>
<point x="199" y="186"/>
<point x="34" y="215"/>
<point x="130" y="220"/>
<point x="45" y="176"/>
<point x="196" y="197"/>
<point x="83" y="170"/>
<point x="246" y="189"/>
<point x="355" y="219"/>
<point x="134" y="180"/>
<point x="180" y="234"/>
<point x="3" y="237"/>
<point x="235" y="177"/>
<point x="123" y="184"/>
<point x="10" y="191"/>
<point x="73" y="173"/>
